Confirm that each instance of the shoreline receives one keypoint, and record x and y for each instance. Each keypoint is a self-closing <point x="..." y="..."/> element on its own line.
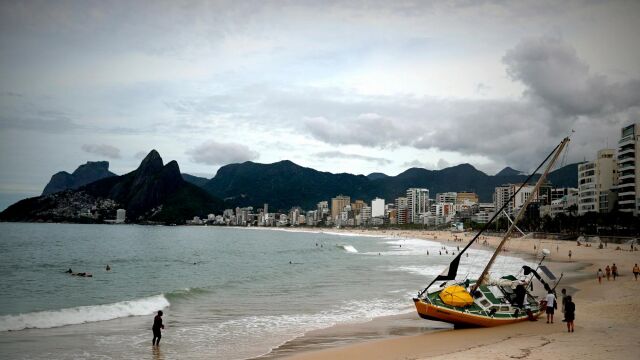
<point x="522" y="340"/>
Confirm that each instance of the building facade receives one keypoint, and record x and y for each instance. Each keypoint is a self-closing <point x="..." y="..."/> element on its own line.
<point x="417" y="204"/>
<point x="338" y="204"/>
<point x="628" y="185"/>
<point x="596" y="178"/>
<point x="377" y="208"/>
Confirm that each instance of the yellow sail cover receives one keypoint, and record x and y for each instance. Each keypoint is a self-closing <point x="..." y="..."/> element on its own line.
<point x="456" y="295"/>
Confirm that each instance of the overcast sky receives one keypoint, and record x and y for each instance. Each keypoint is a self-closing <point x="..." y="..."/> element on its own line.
<point x="357" y="86"/>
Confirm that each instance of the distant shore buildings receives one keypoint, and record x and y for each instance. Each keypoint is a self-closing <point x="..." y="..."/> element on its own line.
<point x="610" y="181"/>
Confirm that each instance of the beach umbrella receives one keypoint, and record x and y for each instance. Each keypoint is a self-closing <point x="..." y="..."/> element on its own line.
<point x="456" y="295"/>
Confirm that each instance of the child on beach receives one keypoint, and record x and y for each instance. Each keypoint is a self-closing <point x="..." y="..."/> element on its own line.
<point x="608" y="271"/>
<point x="636" y="271"/>
<point x="600" y="275"/>
<point x="570" y="313"/>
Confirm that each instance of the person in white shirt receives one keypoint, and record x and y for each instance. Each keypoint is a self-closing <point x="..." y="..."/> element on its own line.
<point x="551" y="304"/>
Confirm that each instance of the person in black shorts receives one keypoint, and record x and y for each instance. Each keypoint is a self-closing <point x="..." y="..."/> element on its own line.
<point x="570" y="313"/>
<point x="157" y="325"/>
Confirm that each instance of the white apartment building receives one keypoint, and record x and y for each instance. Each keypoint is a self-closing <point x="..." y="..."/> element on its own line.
<point x="417" y="204"/>
<point x="628" y="187"/>
<point x="377" y="207"/>
<point x="596" y="178"/>
<point x="439" y="213"/>
<point x="503" y="193"/>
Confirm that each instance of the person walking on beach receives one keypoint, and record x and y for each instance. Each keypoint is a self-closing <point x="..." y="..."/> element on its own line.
<point x="608" y="271"/>
<point x="551" y="305"/>
<point x="157" y="325"/>
<point x="569" y="254"/>
<point x="614" y="271"/>
<point x="600" y="275"/>
<point x="570" y="313"/>
<point x="636" y="271"/>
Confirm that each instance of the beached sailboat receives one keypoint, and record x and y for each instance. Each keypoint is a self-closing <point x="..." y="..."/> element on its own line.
<point x="488" y="300"/>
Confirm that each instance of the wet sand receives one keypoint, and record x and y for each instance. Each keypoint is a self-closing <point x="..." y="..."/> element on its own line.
<point x="607" y="315"/>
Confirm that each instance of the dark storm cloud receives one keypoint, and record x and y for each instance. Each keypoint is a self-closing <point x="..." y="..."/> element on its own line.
<point x="341" y="155"/>
<point x="558" y="79"/>
<point x="109" y="151"/>
<point x="216" y="153"/>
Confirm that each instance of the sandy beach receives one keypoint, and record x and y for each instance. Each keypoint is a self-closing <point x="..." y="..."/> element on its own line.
<point x="607" y="314"/>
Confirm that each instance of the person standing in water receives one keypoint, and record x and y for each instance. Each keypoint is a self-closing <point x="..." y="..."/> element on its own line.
<point x="157" y="325"/>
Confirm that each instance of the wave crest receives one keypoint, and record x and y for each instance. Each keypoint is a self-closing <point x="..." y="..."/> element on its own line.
<point x="83" y="314"/>
<point x="348" y="248"/>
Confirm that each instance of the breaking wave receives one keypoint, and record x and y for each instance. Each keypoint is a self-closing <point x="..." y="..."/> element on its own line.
<point x="348" y="248"/>
<point x="83" y="314"/>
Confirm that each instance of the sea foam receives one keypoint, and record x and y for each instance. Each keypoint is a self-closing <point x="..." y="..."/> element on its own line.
<point x="348" y="248"/>
<point x="83" y="314"/>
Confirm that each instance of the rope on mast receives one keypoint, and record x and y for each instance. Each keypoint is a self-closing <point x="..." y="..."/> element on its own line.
<point x="520" y="214"/>
<point x="456" y="260"/>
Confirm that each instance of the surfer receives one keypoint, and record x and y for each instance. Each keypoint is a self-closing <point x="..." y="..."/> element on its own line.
<point x="108" y="268"/>
<point x="69" y="271"/>
<point x="157" y="325"/>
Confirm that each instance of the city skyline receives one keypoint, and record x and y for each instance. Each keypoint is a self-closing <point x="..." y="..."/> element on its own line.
<point x="213" y="83"/>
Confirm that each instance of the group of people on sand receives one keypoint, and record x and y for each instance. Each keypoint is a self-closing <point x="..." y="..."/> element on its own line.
<point x="611" y="271"/>
<point x="568" y="308"/>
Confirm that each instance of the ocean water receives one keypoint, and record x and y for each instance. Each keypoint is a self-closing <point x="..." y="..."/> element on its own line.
<point x="227" y="293"/>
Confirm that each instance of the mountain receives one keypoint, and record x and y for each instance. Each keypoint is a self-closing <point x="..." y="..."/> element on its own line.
<point x="285" y="184"/>
<point x="508" y="171"/>
<point x="195" y="180"/>
<point x="377" y="175"/>
<point x="152" y="192"/>
<point x="84" y="174"/>
<point x="282" y="185"/>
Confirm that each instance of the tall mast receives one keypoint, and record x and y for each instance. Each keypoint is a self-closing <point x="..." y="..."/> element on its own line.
<point x="521" y="212"/>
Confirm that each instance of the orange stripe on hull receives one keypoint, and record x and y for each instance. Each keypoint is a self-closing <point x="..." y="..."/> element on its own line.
<point x="437" y="313"/>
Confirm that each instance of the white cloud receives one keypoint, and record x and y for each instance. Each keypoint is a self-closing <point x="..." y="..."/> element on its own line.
<point x="109" y="151"/>
<point x="215" y="153"/>
<point x="341" y="155"/>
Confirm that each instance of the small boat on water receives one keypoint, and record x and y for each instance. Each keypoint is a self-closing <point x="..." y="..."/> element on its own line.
<point x="491" y="299"/>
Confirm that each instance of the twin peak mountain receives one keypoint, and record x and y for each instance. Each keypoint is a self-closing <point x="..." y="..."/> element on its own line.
<point x="156" y="192"/>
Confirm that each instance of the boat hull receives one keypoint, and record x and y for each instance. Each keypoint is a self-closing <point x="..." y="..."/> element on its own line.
<point x="462" y="319"/>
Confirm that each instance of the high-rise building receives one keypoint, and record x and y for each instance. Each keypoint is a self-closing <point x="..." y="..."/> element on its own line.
<point x="402" y="210"/>
<point x="417" y="204"/>
<point x="503" y="193"/>
<point x="365" y="214"/>
<point x="596" y="178"/>
<point x="377" y="207"/>
<point x="628" y="171"/>
<point x="337" y="205"/>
